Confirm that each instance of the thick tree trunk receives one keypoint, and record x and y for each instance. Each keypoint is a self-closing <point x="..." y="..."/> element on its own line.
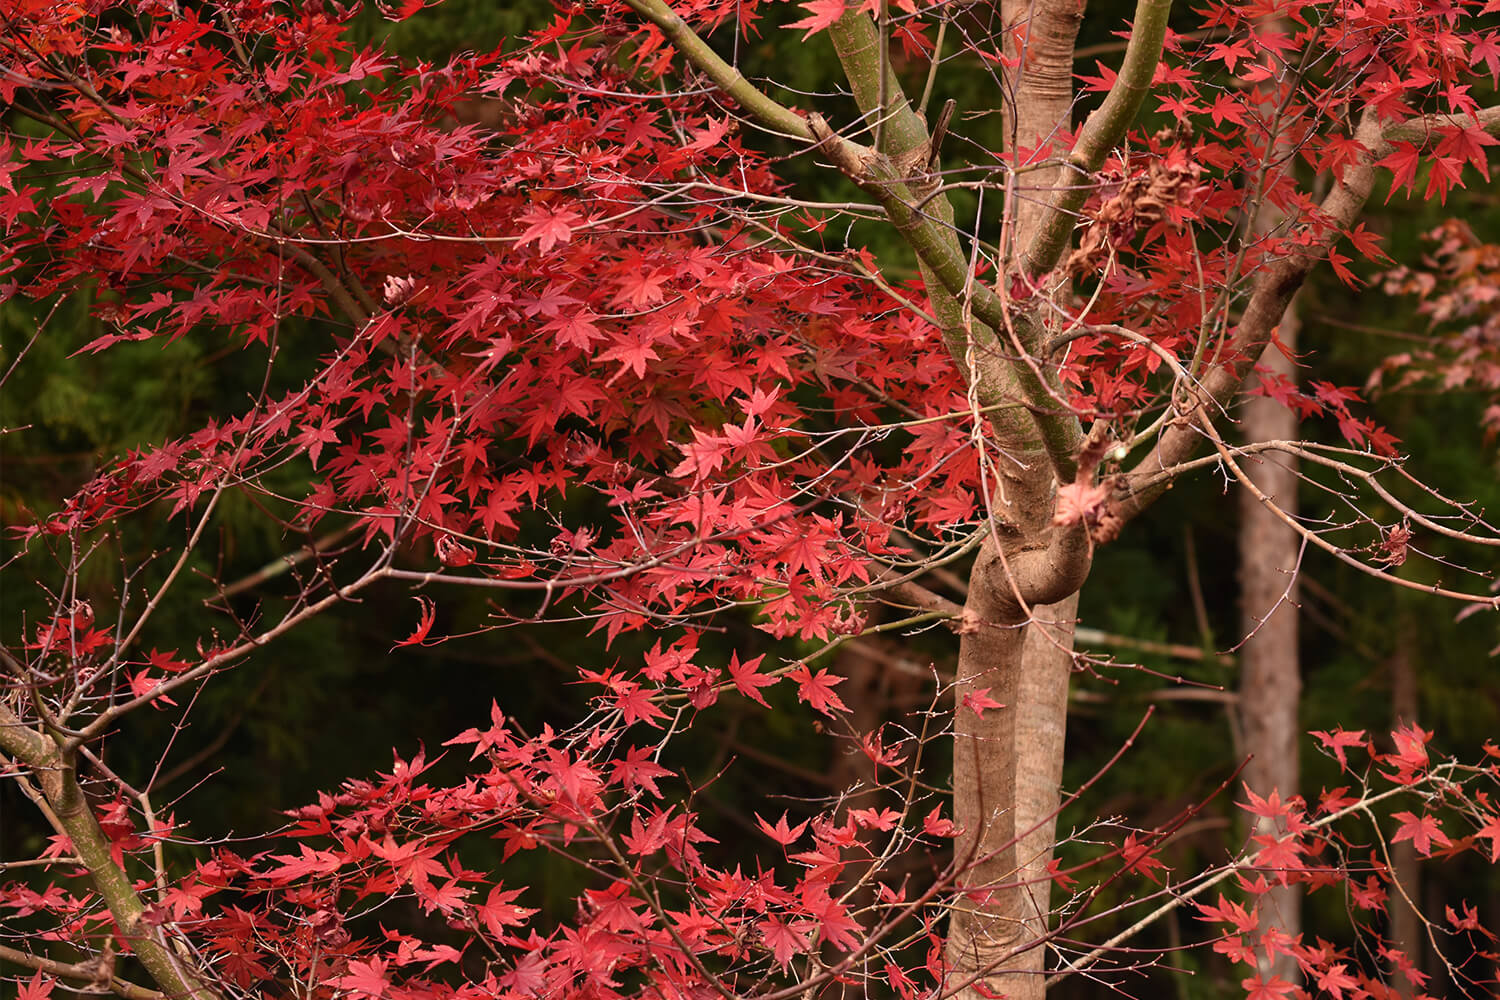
<point x="1006" y="771"/>
<point x="1270" y="671"/>
<point x="1008" y="764"/>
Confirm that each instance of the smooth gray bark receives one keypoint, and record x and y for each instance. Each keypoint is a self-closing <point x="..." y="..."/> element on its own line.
<point x="1270" y="668"/>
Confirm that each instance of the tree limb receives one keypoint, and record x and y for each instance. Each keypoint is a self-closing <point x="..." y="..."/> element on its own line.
<point x="59" y="784"/>
<point x="1425" y="128"/>
<point x="1273" y="289"/>
<point x="82" y="971"/>
<point x="769" y="112"/>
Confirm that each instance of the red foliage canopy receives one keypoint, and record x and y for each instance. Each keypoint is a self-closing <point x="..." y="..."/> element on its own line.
<point x="597" y="354"/>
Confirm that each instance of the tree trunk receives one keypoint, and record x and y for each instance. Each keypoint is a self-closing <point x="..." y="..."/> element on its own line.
<point x="1039" y="97"/>
<point x="1007" y="767"/>
<point x="1270" y="674"/>
<point x="1007" y="764"/>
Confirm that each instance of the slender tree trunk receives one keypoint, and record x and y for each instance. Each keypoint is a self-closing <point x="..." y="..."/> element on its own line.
<point x="1270" y="671"/>
<point x="1039" y="96"/>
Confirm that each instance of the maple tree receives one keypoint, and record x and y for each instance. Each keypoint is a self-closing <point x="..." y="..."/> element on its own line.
<point x="599" y="360"/>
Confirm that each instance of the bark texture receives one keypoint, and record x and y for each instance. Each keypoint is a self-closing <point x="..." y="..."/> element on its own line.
<point x="1039" y="98"/>
<point x="1008" y="765"/>
<point x="1007" y="769"/>
<point x="1270" y="670"/>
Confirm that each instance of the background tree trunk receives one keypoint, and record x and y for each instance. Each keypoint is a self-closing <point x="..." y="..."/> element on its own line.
<point x="1270" y="670"/>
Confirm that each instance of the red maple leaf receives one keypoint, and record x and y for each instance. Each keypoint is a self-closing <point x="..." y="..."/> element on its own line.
<point x="746" y="680"/>
<point x="499" y="911"/>
<point x="1339" y="740"/>
<point x="1140" y="856"/>
<point x="1282" y="856"/>
<point x="1465" y="144"/>
<point x="1467" y="921"/>
<point x="1403" y="164"/>
<point x="936" y="825"/>
<point x="784" y="940"/>
<point x="1367" y="243"/>
<point x="424" y="624"/>
<point x="365" y="979"/>
<point x="576" y="328"/>
<point x="635" y="703"/>
<point x="1335" y="979"/>
<point x="1423" y="831"/>
<point x="1444" y="173"/>
<point x="548" y="226"/>
<point x="1491" y="829"/>
<point x="1243" y="920"/>
<point x="37" y="988"/>
<point x="1060" y="878"/>
<point x="1486" y="49"/>
<point x="817" y="689"/>
<point x="1410" y="757"/>
<point x="1236" y="949"/>
<point x="638" y="770"/>
<point x="1332" y="800"/>
<point x="781" y="833"/>
<point x="308" y="862"/>
<point x="1368" y="895"/>
<point x="1272" y="807"/>
<point x="821" y="14"/>
<point x="1274" y="988"/>
<point x="979" y="701"/>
